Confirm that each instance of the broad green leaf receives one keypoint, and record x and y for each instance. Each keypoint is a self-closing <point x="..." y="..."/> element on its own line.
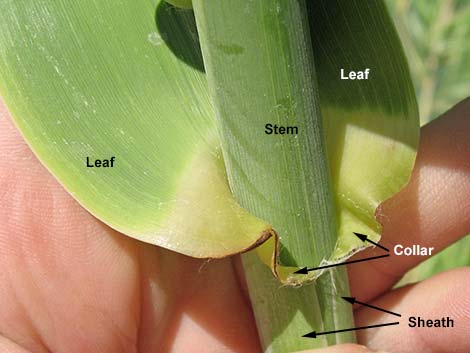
<point x="372" y="125"/>
<point x="125" y="79"/>
<point x="184" y="4"/>
<point x="97" y="80"/>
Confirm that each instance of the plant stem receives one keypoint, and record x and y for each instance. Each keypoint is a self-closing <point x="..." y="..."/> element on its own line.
<point x="283" y="313"/>
<point x="259" y="64"/>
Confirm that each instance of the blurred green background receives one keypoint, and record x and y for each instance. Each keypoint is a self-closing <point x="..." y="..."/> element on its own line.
<point x="436" y="38"/>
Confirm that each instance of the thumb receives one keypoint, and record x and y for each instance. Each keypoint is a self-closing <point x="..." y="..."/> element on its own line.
<point x="342" y="348"/>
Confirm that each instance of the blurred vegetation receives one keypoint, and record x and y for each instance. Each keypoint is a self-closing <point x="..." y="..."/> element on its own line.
<point x="436" y="38"/>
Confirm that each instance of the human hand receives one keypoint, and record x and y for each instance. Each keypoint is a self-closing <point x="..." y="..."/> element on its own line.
<point x="71" y="284"/>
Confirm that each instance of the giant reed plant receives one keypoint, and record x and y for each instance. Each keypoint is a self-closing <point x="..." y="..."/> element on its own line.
<point x="181" y="99"/>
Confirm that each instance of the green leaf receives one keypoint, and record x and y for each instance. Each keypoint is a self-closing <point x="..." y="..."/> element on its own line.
<point x="372" y="126"/>
<point x="184" y="4"/>
<point x="99" y="80"/>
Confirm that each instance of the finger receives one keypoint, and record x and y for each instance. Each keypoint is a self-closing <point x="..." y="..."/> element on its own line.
<point x="433" y="210"/>
<point x="67" y="280"/>
<point x="442" y="296"/>
<point x="7" y="346"/>
<point x="206" y="311"/>
<point x="343" y="348"/>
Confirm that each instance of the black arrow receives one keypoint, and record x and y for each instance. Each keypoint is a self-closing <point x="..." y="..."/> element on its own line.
<point x="306" y="270"/>
<point x="314" y="334"/>
<point x="353" y="300"/>
<point x="364" y="237"/>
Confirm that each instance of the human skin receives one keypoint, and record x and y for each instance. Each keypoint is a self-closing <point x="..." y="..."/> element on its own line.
<point x="69" y="283"/>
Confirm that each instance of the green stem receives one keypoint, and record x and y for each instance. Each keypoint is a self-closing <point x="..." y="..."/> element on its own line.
<point x="259" y="64"/>
<point x="283" y="313"/>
